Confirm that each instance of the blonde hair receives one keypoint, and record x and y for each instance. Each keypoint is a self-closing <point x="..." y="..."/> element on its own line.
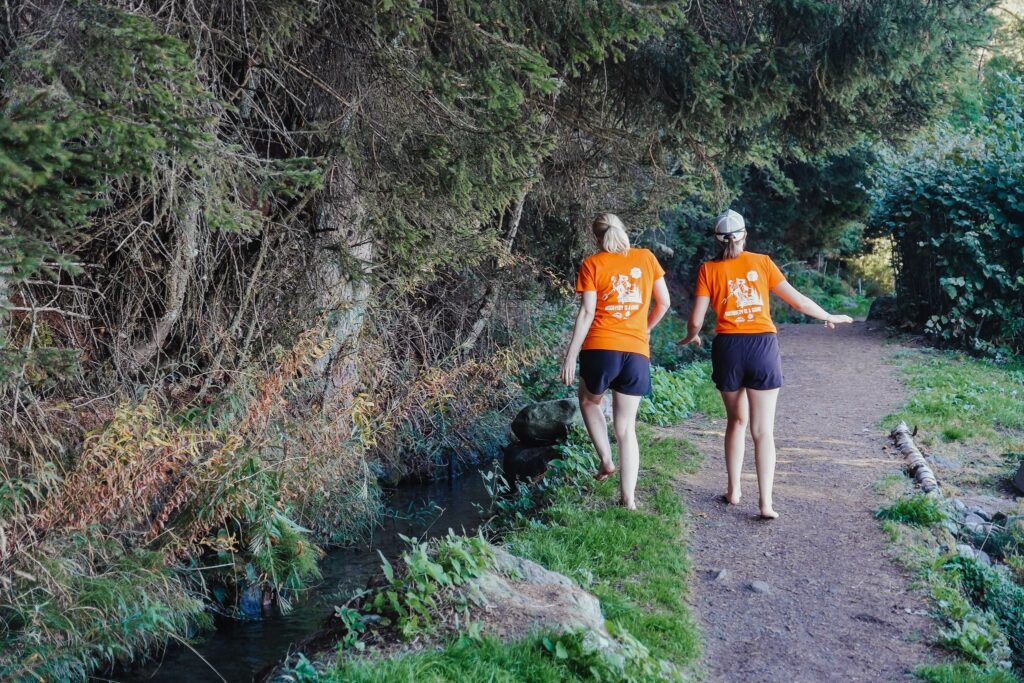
<point x="611" y="233"/>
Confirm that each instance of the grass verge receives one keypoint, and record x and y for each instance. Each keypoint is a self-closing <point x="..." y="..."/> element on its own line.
<point x="634" y="562"/>
<point x="972" y="412"/>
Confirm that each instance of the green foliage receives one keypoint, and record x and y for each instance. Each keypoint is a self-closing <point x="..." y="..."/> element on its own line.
<point x="429" y="572"/>
<point x="953" y="206"/>
<point x="992" y="589"/>
<point x="572" y="471"/>
<point x="672" y="396"/>
<point x="76" y="123"/>
<point x="967" y="629"/>
<point x="540" y="380"/>
<point x="811" y="207"/>
<point x="874" y="267"/>
<point x="664" y="351"/>
<point x="541" y="658"/>
<point x="828" y="290"/>
<point x="917" y="510"/>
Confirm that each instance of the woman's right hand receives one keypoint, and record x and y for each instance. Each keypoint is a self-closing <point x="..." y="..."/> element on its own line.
<point x="832" y="320"/>
<point x="568" y="371"/>
<point x="695" y="340"/>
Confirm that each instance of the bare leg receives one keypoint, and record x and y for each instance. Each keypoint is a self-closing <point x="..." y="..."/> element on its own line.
<point x="624" y="408"/>
<point x="738" y="415"/>
<point x="593" y="418"/>
<point x="762" y="429"/>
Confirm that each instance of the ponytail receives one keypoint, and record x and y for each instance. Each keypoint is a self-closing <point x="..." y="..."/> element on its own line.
<point x="731" y="235"/>
<point x="730" y="249"/>
<point x="611" y="233"/>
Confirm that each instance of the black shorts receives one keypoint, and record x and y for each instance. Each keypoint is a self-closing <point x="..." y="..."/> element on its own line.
<point x="746" y="360"/>
<point x="622" y="371"/>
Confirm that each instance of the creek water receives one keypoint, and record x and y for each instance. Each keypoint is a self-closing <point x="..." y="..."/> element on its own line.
<point x="237" y="649"/>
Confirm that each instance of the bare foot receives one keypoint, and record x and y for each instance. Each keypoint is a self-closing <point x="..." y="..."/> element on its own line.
<point x="731" y="499"/>
<point x="604" y="472"/>
<point x="767" y="512"/>
<point x="628" y="506"/>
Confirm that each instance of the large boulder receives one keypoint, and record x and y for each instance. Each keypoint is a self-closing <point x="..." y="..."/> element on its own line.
<point x="521" y="462"/>
<point x="546" y="421"/>
<point x="521" y="597"/>
<point x="883" y="309"/>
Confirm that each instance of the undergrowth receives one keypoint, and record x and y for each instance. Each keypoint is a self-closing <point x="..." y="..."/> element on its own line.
<point x="975" y="409"/>
<point x="568" y="523"/>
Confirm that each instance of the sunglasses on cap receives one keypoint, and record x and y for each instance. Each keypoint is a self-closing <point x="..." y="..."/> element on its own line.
<point x="730" y="236"/>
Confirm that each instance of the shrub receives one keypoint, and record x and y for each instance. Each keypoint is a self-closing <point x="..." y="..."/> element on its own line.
<point x="673" y="394"/>
<point x="954" y="205"/>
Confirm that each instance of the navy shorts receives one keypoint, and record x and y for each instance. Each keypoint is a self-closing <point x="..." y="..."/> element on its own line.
<point x="746" y="360"/>
<point x="622" y="371"/>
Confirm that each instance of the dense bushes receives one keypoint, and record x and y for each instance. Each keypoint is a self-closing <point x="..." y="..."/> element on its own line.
<point x="954" y="205"/>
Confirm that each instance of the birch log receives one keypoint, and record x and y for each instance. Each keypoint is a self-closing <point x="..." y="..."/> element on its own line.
<point x="917" y="466"/>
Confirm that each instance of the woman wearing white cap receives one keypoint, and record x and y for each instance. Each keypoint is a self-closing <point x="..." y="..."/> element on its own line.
<point x="745" y="360"/>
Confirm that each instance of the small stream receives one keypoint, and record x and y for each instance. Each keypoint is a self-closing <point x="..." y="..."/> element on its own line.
<point x="238" y="649"/>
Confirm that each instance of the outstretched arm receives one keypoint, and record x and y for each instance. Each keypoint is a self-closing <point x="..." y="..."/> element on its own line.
<point x="662" y="302"/>
<point x="584" y="318"/>
<point x="696" y="321"/>
<point x="803" y="304"/>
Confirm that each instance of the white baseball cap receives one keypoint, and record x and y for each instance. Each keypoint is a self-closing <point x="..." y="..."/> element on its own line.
<point x="728" y="226"/>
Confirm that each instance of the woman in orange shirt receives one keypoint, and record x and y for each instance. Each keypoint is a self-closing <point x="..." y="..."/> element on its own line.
<point x="745" y="360"/>
<point x="610" y="340"/>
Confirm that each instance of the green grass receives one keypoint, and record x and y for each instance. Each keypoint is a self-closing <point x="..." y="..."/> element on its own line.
<point x="960" y="398"/>
<point x="628" y="560"/>
<point x="634" y="562"/>
<point x="70" y="619"/>
<point x="916" y="510"/>
<point x="538" y="658"/>
<point x="963" y="672"/>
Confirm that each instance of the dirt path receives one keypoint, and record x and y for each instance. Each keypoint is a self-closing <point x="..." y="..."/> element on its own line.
<point x="836" y="608"/>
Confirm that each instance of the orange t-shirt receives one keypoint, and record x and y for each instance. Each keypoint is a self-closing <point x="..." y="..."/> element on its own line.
<point x="624" y="283"/>
<point x="739" y="289"/>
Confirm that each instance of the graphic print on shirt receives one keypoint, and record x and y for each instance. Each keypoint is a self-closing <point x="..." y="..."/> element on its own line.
<point x="626" y="289"/>
<point x="748" y="299"/>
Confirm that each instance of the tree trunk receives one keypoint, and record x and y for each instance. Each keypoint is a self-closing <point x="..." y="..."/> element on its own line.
<point x="183" y="260"/>
<point x="343" y="254"/>
<point x="510" y="224"/>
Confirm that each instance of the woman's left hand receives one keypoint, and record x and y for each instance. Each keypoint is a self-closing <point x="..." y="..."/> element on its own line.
<point x="568" y="371"/>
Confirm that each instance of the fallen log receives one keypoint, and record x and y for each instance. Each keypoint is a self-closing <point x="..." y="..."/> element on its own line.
<point x="917" y="466"/>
